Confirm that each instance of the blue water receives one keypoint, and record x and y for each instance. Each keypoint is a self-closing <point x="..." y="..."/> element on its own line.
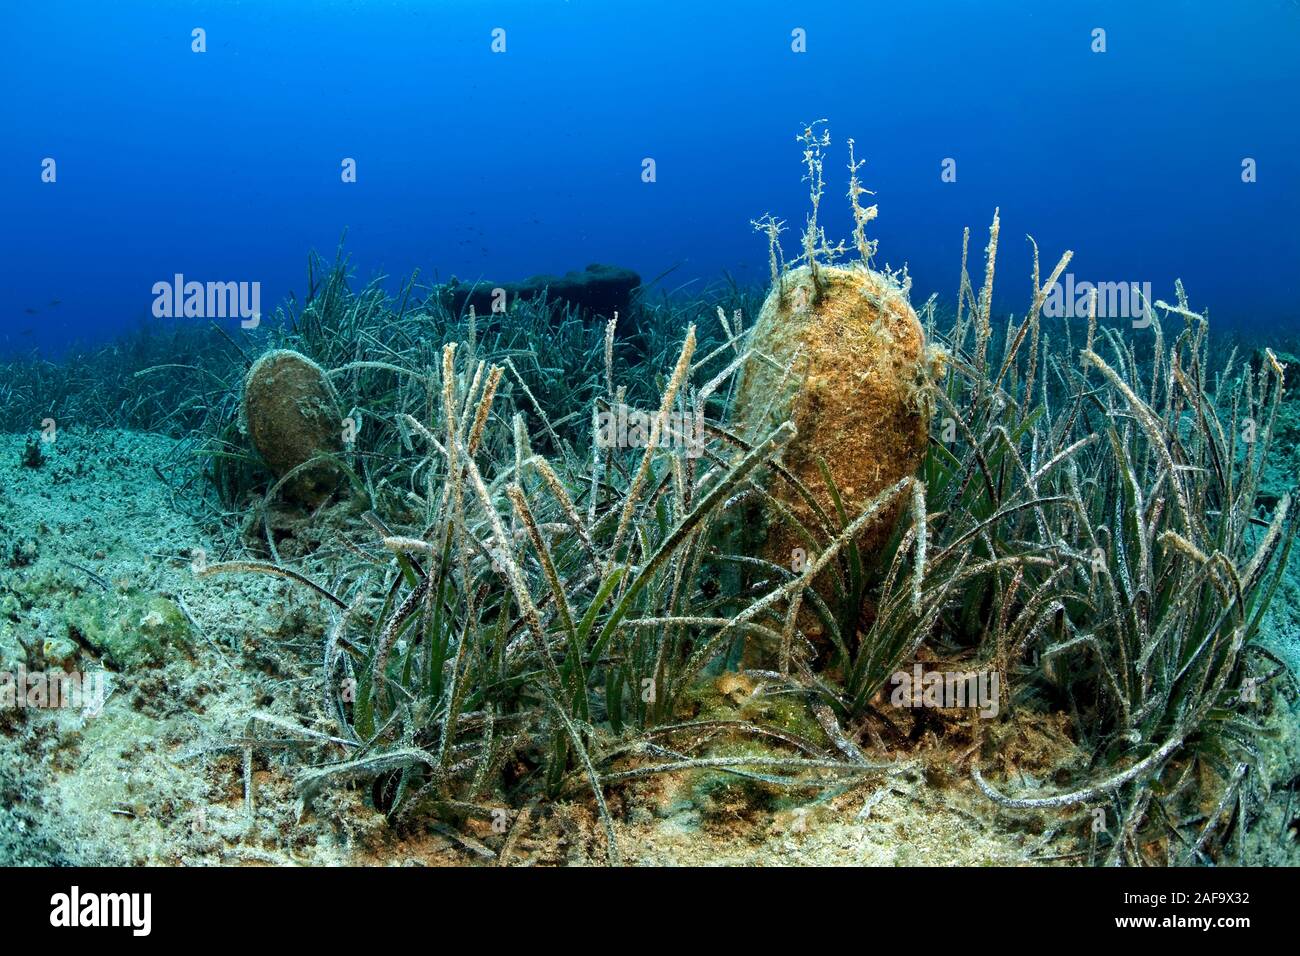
<point x="225" y="165"/>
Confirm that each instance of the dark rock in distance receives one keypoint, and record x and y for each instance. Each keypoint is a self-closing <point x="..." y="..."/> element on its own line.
<point x="599" y="290"/>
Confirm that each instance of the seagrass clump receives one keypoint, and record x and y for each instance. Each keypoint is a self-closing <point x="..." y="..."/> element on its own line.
<point x="1098" y="537"/>
<point x="541" y="613"/>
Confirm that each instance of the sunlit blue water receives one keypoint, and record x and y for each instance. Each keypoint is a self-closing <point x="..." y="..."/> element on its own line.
<point x="226" y="165"/>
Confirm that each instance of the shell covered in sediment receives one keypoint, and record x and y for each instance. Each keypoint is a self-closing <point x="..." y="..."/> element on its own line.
<point x="855" y="391"/>
<point x="292" y="414"/>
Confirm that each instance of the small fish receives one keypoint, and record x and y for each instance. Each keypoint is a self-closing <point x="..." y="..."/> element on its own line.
<point x="32" y="311"/>
<point x="54" y="302"/>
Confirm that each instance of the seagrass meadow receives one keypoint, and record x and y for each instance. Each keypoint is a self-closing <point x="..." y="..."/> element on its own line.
<point x="694" y="583"/>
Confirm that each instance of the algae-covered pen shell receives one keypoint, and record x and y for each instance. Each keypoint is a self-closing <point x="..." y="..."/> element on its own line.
<point x="855" y="353"/>
<point x="292" y="415"/>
